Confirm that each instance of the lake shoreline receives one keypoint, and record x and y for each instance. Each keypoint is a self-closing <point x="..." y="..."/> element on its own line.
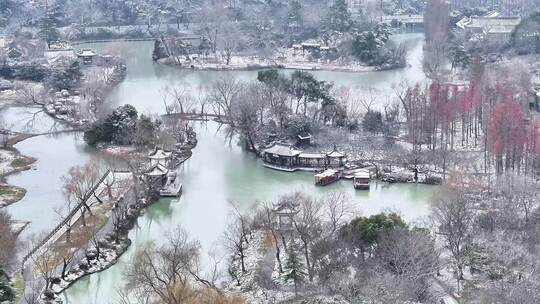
<point x="135" y="210"/>
<point x="262" y="65"/>
<point x="12" y="162"/>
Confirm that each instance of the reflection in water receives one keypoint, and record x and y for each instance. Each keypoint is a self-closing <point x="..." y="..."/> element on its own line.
<point x="55" y="155"/>
<point x="164" y="212"/>
<point x="29" y="120"/>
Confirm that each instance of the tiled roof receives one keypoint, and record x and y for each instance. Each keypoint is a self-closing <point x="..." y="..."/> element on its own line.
<point x="282" y="150"/>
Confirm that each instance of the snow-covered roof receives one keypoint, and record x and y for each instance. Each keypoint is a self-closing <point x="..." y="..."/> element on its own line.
<point x="157" y="170"/>
<point x="311" y="44"/>
<point x="86" y="53"/>
<point x="403" y="18"/>
<point x="159" y="153"/>
<point x="492" y="14"/>
<point x="335" y="154"/>
<point x="329" y="172"/>
<point x="285" y="207"/>
<point x="304" y="135"/>
<point x="490" y="25"/>
<point x="283" y="150"/>
<point x="362" y="174"/>
<point x="56" y="55"/>
<point x="312" y="155"/>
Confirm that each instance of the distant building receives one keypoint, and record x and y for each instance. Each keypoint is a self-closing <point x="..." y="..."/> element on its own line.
<point x="407" y="21"/>
<point x="160" y="156"/>
<point x="355" y="7"/>
<point x="495" y="27"/>
<point x="303" y="139"/>
<point x="86" y="55"/>
<point x="3" y="42"/>
<point x="288" y="158"/>
<point x="285" y="210"/>
<point x="59" y="51"/>
<point x="281" y="155"/>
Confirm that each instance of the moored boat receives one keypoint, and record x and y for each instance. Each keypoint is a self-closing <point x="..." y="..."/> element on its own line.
<point x="361" y="180"/>
<point x="326" y="177"/>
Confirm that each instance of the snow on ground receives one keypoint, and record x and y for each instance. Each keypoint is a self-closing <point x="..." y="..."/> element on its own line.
<point x="287" y="60"/>
<point x="119" y="150"/>
<point x="262" y="269"/>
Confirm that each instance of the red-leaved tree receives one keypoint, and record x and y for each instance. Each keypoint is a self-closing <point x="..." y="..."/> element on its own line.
<point x="507" y="132"/>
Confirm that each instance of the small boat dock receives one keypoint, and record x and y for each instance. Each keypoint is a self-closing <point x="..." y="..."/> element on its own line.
<point x="171" y="190"/>
<point x="161" y="176"/>
<point x="172" y="187"/>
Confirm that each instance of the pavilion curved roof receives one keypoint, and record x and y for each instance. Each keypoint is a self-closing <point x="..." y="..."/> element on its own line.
<point x="282" y="150"/>
<point x="285" y="206"/>
<point x="157" y="170"/>
<point x="312" y="155"/>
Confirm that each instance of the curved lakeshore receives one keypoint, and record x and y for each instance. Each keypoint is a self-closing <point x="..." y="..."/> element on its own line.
<point x="12" y="162"/>
<point x="234" y="175"/>
<point x="254" y="65"/>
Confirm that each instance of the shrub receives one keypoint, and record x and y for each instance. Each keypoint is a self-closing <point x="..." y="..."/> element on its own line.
<point x="7" y="295"/>
<point x="372" y="121"/>
<point x="135" y="33"/>
<point x="66" y="77"/>
<point x="298" y="124"/>
<point x="32" y="71"/>
<point x="6" y="71"/>
<point x="123" y="126"/>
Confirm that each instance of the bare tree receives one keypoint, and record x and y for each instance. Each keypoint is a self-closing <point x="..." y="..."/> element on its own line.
<point x="166" y="273"/>
<point x="308" y="225"/>
<point x="269" y="222"/>
<point x="368" y="98"/>
<point x="79" y="185"/>
<point x="64" y="215"/>
<point x="178" y="99"/>
<point x="222" y="95"/>
<point x="32" y="93"/>
<point x="412" y="256"/>
<point x="453" y="216"/>
<point x="436" y="33"/>
<point x="7" y="240"/>
<point x="336" y="209"/>
<point x="248" y="114"/>
<point x="229" y="41"/>
<point x="521" y="192"/>
<point x="45" y="265"/>
<point x="237" y="236"/>
<point x="163" y="272"/>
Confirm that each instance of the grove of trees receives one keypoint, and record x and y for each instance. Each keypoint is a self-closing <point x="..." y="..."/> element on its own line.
<point x="123" y="126"/>
<point x="328" y="251"/>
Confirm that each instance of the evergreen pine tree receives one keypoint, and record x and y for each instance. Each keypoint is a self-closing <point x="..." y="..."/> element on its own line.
<point x="295" y="17"/>
<point x="159" y="50"/>
<point x="7" y="295"/>
<point x="339" y="17"/>
<point x="294" y="268"/>
<point x="48" y="24"/>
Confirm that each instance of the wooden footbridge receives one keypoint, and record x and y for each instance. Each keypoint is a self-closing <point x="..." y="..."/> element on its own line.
<point x="200" y="117"/>
<point x="123" y="180"/>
